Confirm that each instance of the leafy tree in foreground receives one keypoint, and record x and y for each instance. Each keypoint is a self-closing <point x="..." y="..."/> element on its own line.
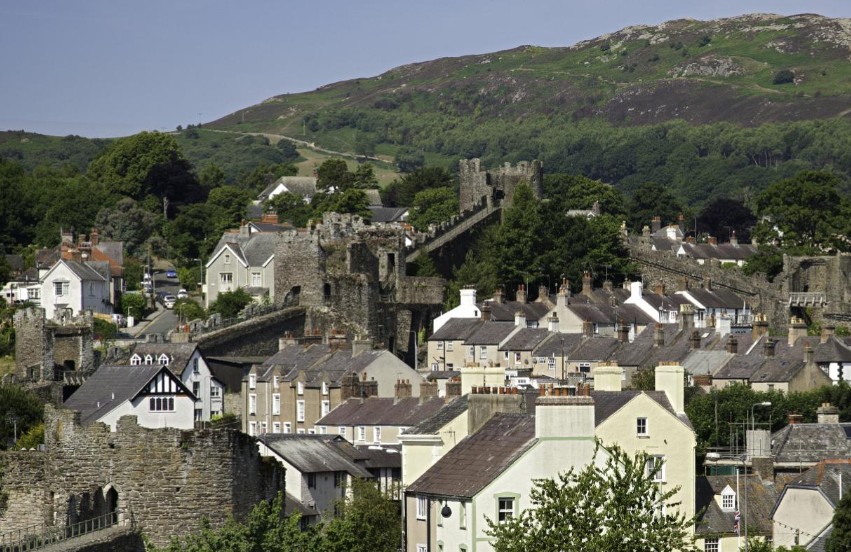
<point x="434" y="205"/>
<point x="840" y="539"/>
<point x="370" y="522"/>
<point x="230" y="303"/>
<point x="611" y="507"/>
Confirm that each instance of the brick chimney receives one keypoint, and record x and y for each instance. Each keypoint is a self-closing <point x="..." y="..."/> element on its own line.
<point x="686" y="318"/>
<point x="707" y="283"/>
<point x="453" y="388"/>
<point x="587" y="328"/>
<point x="712" y="240"/>
<point x="269" y="217"/>
<point x="543" y="294"/>
<point x="827" y="414"/>
<point x="95" y="237"/>
<point x="623" y="332"/>
<point x="683" y="284"/>
<point x="827" y="332"/>
<point x="521" y="294"/>
<point x="795" y="418"/>
<point x="608" y="285"/>
<point x="797" y="329"/>
<point x="486" y="312"/>
<point x="656" y="224"/>
<point x="586" y="283"/>
<point x="732" y="344"/>
<point x="645" y="231"/>
<point x="428" y="390"/>
<point x="563" y="293"/>
<point x="402" y="390"/>
<point x="660" y="288"/>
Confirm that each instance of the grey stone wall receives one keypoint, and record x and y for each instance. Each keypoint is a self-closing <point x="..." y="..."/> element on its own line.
<point x="300" y="265"/>
<point x="41" y="344"/>
<point x="497" y="185"/>
<point x="165" y="479"/>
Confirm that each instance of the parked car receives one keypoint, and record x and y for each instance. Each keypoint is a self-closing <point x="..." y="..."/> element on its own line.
<point x="168" y="301"/>
<point x="182" y="294"/>
<point x="171" y="273"/>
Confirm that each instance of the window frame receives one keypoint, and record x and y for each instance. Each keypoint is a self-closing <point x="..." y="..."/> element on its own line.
<point x="658" y="460"/>
<point x="506" y="507"/>
<point x="642" y="427"/>
<point x="299" y="410"/>
<point x="711" y="544"/>
<point x="422" y="507"/>
<point x="276" y="404"/>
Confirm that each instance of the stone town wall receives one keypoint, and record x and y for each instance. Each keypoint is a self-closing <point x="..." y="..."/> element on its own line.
<point x="41" y="344"/>
<point x="165" y="479"/>
<point x="32" y="349"/>
<point x="300" y="265"/>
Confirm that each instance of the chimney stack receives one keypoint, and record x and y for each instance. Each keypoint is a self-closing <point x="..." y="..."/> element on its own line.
<point x="712" y="240"/>
<point x="552" y="323"/>
<point x="428" y="390"/>
<point x="660" y="288"/>
<point x="656" y="224"/>
<point x="670" y="378"/>
<point x="587" y="328"/>
<point x="686" y="317"/>
<point x="486" y="312"/>
<point x="760" y="327"/>
<point x="695" y="339"/>
<point x="659" y="336"/>
<point x="827" y="332"/>
<point x="453" y="388"/>
<point x="795" y="418"/>
<point x="732" y="344"/>
<point x="768" y="348"/>
<point x="683" y="284"/>
<point x="520" y="319"/>
<point x="95" y="237"/>
<point x="608" y="286"/>
<point x="402" y="389"/>
<point x="467" y="296"/>
<point x="623" y="332"/>
<point x="586" y="283"/>
<point x="707" y="283"/>
<point x="734" y="241"/>
<point x="499" y="296"/>
<point x="797" y="329"/>
<point x="565" y="416"/>
<point x="521" y="294"/>
<point x="543" y="294"/>
<point x="808" y="355"/>
<point x="608" y="377"/>
<point x="269" y="217"/>
<point x="827" y="414"/>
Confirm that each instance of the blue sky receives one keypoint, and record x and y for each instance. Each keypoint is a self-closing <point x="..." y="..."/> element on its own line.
<point x="112" y="68"/>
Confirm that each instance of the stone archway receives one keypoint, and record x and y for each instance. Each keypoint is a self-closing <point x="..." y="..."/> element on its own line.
<point x="112" y="504"/>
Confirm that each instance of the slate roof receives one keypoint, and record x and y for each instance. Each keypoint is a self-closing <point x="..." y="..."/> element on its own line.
<point x="474" y="462"/>
<point x="305" y="186"/>
<point x="724" y="251"/>
<point x="16" y="263"/>
<point x="490" y="333"/>
<point x="456" y="329"/>
<point x="833" y="350"/>
<point x="382" y="411"/>
<point x="387" y="214"/>
<point x="826" y="476"/>
<point x="83" y="271"/>
<point x="810" y="443"/>
<point x="594" y="348"/>
<point x="433" y="424"/>
<point x="253" y="250"/>
<point x="757" y="499"/>
<point x="178" y="354"/>
<point x="313" y="453"/>
<point x="372" y="457"/>
<point x="717" y="298"/>
<point x="701" y="361"/>
<point x="553" y="346"/>
<point x="606" y="403"/>
<point x="525" y="339"/>
<point x="442" y="374"/>
<point x="504" y="312"/>
<point x="111" y="386"/>
<point x="598" y="314"/>
<point x="740" y="367"/>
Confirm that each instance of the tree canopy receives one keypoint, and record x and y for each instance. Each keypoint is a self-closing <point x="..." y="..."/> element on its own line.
<point x="614" y="506"/>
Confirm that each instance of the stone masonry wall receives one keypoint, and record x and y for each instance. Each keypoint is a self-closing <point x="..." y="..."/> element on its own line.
<point x="165" y="479"/>
<point x="496" y="184"/>
<point x="31" y="349"/>
<point x="300" y="262"/>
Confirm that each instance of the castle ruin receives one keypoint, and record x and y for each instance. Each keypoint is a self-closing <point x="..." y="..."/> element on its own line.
<point x="496" y="187"/>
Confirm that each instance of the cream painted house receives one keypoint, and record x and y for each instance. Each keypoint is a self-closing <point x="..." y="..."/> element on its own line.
<point x="242" y="260"/>
<point x="447" y="506"/>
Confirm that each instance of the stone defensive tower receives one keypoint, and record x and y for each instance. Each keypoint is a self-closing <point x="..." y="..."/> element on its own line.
<point x="497" y="186"/>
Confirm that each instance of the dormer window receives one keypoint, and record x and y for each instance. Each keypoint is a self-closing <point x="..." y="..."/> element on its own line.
<point x="728" y="499"/>
<point x="149" y="359"/>
<point x="163" y="360"/>
<point x="135" y="360"/>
